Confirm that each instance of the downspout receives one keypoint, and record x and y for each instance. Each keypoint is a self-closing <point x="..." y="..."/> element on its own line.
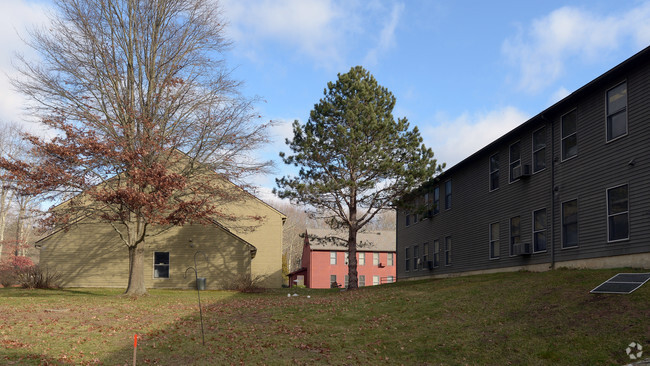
<point x="552" y="190"/>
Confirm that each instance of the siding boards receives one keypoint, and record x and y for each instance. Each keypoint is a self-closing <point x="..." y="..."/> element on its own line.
<point x="599" y="165"/>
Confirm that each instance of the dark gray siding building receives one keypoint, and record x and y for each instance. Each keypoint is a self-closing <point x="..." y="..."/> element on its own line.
<point x="568" y="188"/>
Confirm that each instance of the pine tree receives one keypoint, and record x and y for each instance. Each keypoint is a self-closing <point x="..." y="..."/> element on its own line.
<point x="355" y="160"/>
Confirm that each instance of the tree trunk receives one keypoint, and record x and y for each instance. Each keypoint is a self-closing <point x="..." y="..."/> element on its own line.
<point x="353" y="282"/>
<point x="136" y="285"/>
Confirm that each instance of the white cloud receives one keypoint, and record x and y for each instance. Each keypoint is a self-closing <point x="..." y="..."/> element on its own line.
<point x="322" y="30"/>
<point x="540" y="50"/>
<point x="386" y="37"/>
<point x="558" y="95"/>
<point x="15" y="18"/>
<point x="452" y="140"/>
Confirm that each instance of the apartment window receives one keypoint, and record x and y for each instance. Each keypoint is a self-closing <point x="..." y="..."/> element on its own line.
<point x="161" y="264"/>
<point x="617" y="111"/>
<point x="494" y="241"/>
<point x="389" y="259"/>
<point x="347" y="258"/>
<point x="347" y="281"/>
<point x="362" y="259"/>
<point x="332" y="257"/>
<point x="539" y="150"/>
<point x="408" y="218"/>
<point x="375" y="259"/>
<point x="390" y="279"/>
<point x="333" y="281"/>
<point x="618" y="227"/>
<point x="494" y="172"/>
<point x="416" y="258"/>
<point x="515" y="159"/>
<point x="448" y="251"/>
<point x="448" y="194"/>
<point x="436" y="200"/>
<point x="569" y="138"/>
<point x="375" y="280"/>
<point x="436" y="253"/>
<point x="515" y="233"/>
<point x="539" y="230"/>
<point x="407" y="259"/>
<point x="362" y="280"/>
<point x="570" y="224"/>
<point x="425" y="254"/>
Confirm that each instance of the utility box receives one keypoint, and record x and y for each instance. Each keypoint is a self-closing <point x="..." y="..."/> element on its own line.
<point x="200" y="283"/>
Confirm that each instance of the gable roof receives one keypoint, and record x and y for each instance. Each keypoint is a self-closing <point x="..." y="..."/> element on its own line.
<point x="367" y="241"/>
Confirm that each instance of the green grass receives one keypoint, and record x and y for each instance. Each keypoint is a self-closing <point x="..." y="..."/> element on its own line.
<point x="509" y="318"/>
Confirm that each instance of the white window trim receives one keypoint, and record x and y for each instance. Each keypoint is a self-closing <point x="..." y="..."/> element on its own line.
<point x="450" y="251"/>
<point x="562" y="159"/>
<point x="538" y="231"/>
<point x="498" y="170"/>
<point x="510" y="244"/>
<point x="153" y="267"/>
<point x="532" y="147"/>
<point x="627" y="212"/>
<point x="562" y="247"/>
<point x="627" y="124"/>
<point x="433" y="258"/>
<point x="446" y="193"/>
<point x="510" y="180"/>
<point x="490" y="240"/>
<point x="336" y="260"/>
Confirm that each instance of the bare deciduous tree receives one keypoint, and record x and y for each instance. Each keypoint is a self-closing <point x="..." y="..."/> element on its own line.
<point x="142" y="107"/>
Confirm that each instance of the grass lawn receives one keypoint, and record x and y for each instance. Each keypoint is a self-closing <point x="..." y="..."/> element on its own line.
<point x="509" y="318"/>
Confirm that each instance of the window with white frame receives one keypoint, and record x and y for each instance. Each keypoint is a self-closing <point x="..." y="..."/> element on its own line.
<point x="494" y="172"/>
<point x="570" y="224"/>
<point x="448" y="194"/>
<point x="347" y="281"/>
<point x="436" y="253"/>
<point x="362" y="280"/>
<point x="347" y="258"/>
<point x="448" y="251"/>
<point x="161" y="264"/>
<point x="390" y="279"/>
<point x="375" y="280"/>
<point x="569" y="137"/>
<point x="618" y="221"/>
<point x="436" y="200"/>
<point x="617" y="111"/>
<point x="494" y="241"/>
<point x="539" y="150"/>
<point x="389" y="259"/>
<point x="333" y="280"/>
<point x="362" y="259"/>
<point x="539" y="230"/>
<point x="515" y="160"/>
<point x="425" y="255"/>
<point x="515" y="233"/>
<point x="407" y="259"/>
<point x="332" y="257"/>
<point x="375" y="259"/>
<point x="416" y="257"/>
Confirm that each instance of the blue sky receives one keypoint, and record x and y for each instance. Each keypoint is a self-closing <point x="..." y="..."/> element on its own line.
<point x="463" y="72"/>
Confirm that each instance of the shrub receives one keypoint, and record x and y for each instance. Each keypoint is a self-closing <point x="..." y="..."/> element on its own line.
<point x="11" y="267"/>
<point x="246" y="283"/>
<point x="38" y="277"/>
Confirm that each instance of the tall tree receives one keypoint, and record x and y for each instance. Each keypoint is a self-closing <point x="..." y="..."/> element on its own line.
<point x="355" y="160"/>
<point x="143" y="112"/>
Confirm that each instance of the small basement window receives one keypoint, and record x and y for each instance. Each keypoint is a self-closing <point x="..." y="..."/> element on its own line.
<point x="161" y="264"/>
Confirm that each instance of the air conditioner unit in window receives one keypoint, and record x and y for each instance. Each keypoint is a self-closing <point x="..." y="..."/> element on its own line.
<point x="522" y="171"/>
<point x="521" y="249"/>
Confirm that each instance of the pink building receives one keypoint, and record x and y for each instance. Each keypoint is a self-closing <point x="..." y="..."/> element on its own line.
<point x="325" y="259"/>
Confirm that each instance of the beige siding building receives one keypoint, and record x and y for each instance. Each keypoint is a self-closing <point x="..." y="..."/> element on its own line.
<point x="88" y="254"/>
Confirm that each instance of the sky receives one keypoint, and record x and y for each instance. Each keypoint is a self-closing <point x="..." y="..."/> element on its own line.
<point x="463" y="72"/>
